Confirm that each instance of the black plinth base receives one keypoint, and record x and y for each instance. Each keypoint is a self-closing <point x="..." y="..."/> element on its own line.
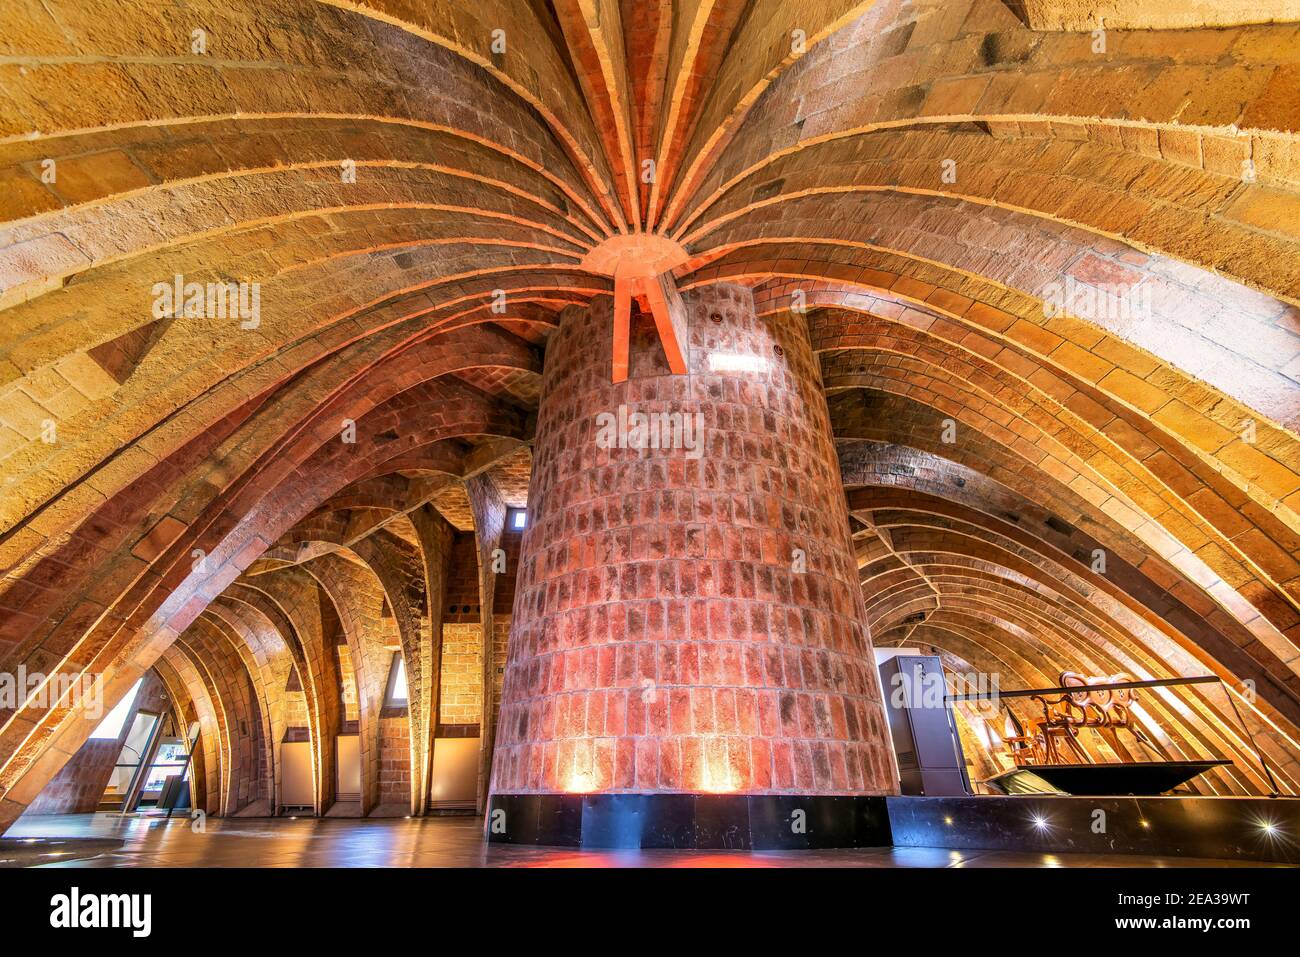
<point x="708" y="821"/>
<point x="1138" y="777"/>
<point x="1230" y="828"/>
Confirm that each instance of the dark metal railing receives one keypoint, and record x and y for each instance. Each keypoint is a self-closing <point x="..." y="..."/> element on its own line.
<point x="1083" y="689"/>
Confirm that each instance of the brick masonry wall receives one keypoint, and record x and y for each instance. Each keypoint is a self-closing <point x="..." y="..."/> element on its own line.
<point x="394" y="760"/>
<point x="462" y="598"/>
<point x="462" y="674"/>
<point x="295" y="709"/>
<point x="462" y="671"/>
<point x="348" y="683"/>
<point x="689" y="623"/>
<point x="462" y="584"/>
<point x="79" y="786"/>
<point x="501" y="625"/>
<point x="504" y="599"/>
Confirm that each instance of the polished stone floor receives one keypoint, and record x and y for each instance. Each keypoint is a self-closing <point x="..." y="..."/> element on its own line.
<point x="92" y="840"/>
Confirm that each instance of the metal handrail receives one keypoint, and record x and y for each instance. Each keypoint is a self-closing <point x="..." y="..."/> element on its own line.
<point x="1080" y="689"/>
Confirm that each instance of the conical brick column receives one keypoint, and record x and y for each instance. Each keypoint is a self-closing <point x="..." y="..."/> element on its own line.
<point x="688" y="617"/>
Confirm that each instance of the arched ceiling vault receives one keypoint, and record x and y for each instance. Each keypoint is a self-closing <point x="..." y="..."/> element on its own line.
<point x="1051" y="276"/>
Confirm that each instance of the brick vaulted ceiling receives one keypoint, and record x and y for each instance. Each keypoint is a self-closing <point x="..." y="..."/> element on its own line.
<point x="919" y="181"/>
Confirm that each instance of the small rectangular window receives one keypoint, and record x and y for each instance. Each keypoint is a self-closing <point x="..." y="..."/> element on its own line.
<point x="518" y="518"/>
<point x="397" y="693"/>
<point x="111" y="726"/>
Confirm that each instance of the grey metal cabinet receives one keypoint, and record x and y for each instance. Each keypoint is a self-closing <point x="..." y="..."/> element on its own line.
<point x="924" y="731"/>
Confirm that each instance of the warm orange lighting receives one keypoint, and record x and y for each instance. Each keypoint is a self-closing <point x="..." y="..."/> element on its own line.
<point x="718" y="776"/>
<point x="719" y="782"/>
<point x="580" y="783"/>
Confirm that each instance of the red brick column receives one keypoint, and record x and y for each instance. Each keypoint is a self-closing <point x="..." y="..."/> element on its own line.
<point x="689" y="620"/>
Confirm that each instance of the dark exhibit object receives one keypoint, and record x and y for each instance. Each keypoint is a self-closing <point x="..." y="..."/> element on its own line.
<point x="1137" y="777"/>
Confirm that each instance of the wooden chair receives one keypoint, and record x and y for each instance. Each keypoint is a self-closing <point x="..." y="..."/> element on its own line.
<point x="1053" y="736"/>
<point x="1062" y="717"/>
<point x="1023" y="746"/>
<point x="1109" y="712"/>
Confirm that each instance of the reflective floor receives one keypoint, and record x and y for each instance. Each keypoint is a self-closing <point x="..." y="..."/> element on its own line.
<point x="91" y="840"/>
